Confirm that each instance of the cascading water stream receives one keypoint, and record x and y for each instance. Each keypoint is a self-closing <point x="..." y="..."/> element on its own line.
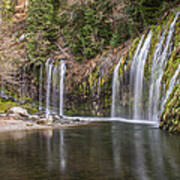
<point x="61" y="91"/>
<point x="54" y="89"/>
<point x="152" y="112"/>
<point x="139" y="78"/>
<point x="133" y="68"/>
<point x="134" y="61"/>
<point x="172" y="83"/>
<point x="40" y="87"/>
<point x="49" y="66"/>
<point x="115" y="90"/>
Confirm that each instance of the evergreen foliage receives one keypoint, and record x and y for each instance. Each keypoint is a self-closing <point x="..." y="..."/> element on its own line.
<point x="87" y="28"/>
<point x="146" y="12"/>
<point x="6" y="8"/>
<point x="42" y="28"/>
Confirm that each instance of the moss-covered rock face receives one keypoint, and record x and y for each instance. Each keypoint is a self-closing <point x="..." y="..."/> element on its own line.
<point x="5" y="105"/>
<point x="170" y="119"/>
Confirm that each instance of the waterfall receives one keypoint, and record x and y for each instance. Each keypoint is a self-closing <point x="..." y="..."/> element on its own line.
<point x="133" y="95"/>
<point x="159" y="62"/>
<point x="155" y="73"/>
<point x="115" y="90"/>
<point x="151" y="107"/>
<point x="172" y="83"/>
<point x="54" y="89"/>
<point x="49" y="66"/>
<point x="54" y="78"/>
<point x="61" y="90"/>
<point x="40" y="87"/>
<point x="139" y="77"/>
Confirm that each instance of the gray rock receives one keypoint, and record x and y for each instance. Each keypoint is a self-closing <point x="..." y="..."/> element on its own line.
<point x="19" y="111"/>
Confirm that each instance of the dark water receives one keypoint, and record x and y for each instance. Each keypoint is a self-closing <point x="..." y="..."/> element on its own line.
<point x="109" y="151"/>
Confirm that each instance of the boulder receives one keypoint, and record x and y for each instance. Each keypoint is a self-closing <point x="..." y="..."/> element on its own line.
<point x="19" y="111"/>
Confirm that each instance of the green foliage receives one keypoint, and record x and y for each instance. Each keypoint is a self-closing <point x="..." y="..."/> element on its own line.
<point x="6" y="8"/>
<point x="122" y="33"/>
<point x="6" y="105"/>
<point x="146" y="12"/>
<point x="87" y="28"/>
<point x="42" y="28"/>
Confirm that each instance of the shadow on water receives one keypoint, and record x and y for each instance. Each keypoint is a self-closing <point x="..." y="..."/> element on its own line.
<point x="107" y="151"/>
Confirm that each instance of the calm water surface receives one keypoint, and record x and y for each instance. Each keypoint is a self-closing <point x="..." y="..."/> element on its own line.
<point x="109" y="151"/>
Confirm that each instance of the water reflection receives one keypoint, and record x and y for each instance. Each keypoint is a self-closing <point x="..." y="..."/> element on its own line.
<point x="62" y="152"/>
<point x="146" y="153"/>
<point x="106" y="151"/>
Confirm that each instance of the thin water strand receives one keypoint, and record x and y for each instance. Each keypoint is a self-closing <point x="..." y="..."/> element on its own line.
<point x="172" y="83"/>
<point x="49" y="66"/>
<point x="115" y="89"/>
<point x="40" y="87"/>
<point x="61" y="96"/>
<point x="54" y="89"/>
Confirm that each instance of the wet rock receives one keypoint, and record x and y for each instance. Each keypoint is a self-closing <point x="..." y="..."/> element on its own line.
<point x="29" y="124"/>
<point x="42" y="122"/>
<point x="19" y="111"/>
<point x="45" y="121"/>
<point x="77" y="120"/>
<point x="34" y="117"/>
<point x="56" y="118"/>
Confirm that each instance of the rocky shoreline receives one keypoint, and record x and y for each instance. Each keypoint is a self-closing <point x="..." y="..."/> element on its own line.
<point x="17" y="119"/>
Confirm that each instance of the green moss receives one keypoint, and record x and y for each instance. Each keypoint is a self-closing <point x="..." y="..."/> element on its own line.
<point x="6" y="105"/>
<point x="170" y="119"/>
<point x="174" y="59"/>
<point x="31" y="109"/>
<point x="157" y="31"/>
